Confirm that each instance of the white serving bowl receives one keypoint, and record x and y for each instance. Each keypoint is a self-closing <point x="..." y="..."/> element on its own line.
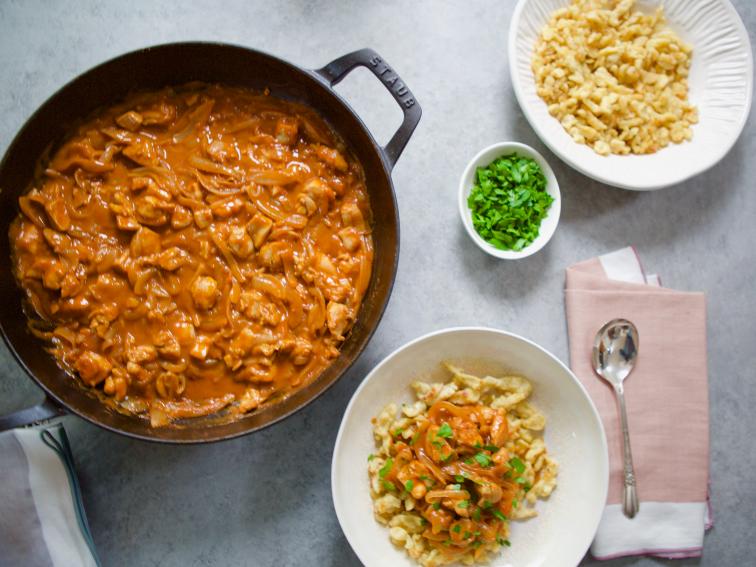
<point x="548" y="225"/>
<point x="720" y="85"/>
<point x="566" y="522"/>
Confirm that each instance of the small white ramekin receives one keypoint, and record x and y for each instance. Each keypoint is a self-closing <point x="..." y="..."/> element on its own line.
<point x="548" y="225"/>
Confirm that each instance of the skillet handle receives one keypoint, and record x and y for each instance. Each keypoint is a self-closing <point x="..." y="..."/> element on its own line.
<point x="336" y="70"/>
<point x="47" y="409"/>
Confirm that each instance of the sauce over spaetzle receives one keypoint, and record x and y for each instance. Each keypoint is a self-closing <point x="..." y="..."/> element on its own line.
<point x="453" y="468"/>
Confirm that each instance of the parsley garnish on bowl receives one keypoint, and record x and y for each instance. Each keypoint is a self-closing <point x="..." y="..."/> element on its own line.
<point x="509" y="201"/>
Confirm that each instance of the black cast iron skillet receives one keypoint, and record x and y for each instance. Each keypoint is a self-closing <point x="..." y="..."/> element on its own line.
<point x="174" y="64"/>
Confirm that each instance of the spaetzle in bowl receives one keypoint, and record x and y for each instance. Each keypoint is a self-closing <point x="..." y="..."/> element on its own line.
<point x="651" y="108"/>
<point x="562" y="529"/>
<point x="453" y="467"/>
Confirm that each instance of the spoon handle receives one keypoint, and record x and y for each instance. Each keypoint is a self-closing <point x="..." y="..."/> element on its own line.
<point x="630" y="504"/>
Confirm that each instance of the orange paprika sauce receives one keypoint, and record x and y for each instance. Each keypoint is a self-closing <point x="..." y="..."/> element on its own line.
<point x="457" y="470"/>
<point x="194" y="249"/>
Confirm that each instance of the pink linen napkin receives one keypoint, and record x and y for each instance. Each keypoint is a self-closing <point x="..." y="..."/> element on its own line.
<point x="667" y="404"/>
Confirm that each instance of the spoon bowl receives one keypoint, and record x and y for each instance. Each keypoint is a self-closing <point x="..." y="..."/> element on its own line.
<point x="615" y="350"/>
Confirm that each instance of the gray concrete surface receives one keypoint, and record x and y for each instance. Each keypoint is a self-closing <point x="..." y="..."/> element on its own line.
<point x="265" y="500"/>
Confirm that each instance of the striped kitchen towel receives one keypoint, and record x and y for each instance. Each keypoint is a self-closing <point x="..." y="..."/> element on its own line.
<point x="42" y="520"/>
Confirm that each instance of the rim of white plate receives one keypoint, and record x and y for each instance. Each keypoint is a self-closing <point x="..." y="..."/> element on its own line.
<point x="337" y="504"/>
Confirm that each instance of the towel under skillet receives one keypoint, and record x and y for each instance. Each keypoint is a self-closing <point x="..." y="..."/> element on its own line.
<point x="42" y="520"/>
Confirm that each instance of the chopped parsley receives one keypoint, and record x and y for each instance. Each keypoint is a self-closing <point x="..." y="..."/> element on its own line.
<point x="466" y="535"/>
<point x="436" y="505"/>
<point x="464" y="504"/>
<point x="371" y="457"/>
<point x="492" y="448"/>
<point x="525" y="484"/>
<point x="389" y="486"/>
<point x="445" y="431"/>
<point x="499" y="515"/>
<point x="515" y="503"/>
<point x="476" y="514"/>
<point x="398" y="432"/>
<point x="483" y="459"/>
<point x="509" y="201"/>
<point x="386" y="468"/>
<point x="409" y="485"/>
<point x="459" y="478"/>
<point x="415" y="437"/>
<point x="517" y="465"/>
<point x="456" y="529"/>
<point x="501" y="541"/>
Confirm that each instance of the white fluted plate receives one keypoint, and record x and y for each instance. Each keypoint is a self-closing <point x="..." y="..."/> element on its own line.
<point x="566" y="523"/>
<point x="720" y="85"/>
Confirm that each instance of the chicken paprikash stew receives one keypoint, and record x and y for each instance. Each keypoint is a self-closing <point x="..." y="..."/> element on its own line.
<point x="195" y="249"/>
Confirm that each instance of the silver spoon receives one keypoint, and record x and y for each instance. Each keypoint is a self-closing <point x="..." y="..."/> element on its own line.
<point x="614" y="352"/>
